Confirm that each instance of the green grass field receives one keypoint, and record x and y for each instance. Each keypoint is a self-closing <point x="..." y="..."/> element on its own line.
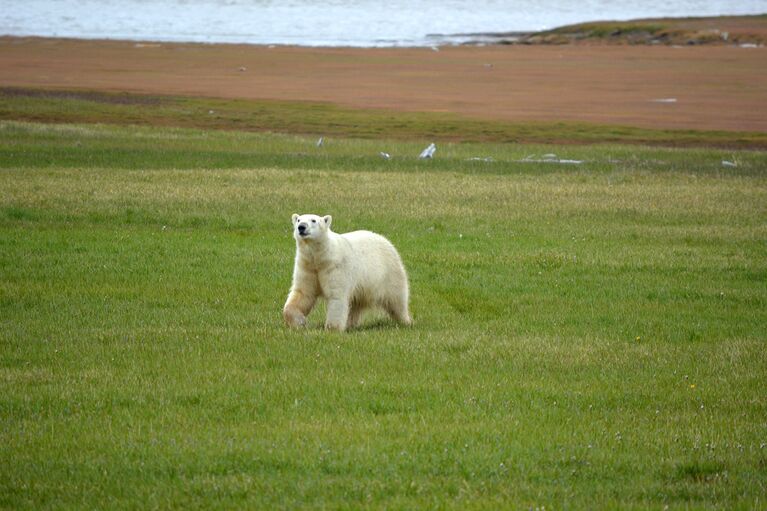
<point x="586" y="336"/>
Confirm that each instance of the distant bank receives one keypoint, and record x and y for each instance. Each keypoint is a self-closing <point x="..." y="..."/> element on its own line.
<point x="744" y="31"/>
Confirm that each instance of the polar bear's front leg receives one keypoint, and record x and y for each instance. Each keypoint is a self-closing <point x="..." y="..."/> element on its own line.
<point x="338" y="313"/>
<point x="297" y="307"/>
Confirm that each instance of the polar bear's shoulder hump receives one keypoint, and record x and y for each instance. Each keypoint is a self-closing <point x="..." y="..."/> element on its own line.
<point x="365" y="238"/>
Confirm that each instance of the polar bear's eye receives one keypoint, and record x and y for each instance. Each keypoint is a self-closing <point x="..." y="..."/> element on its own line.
<point x="314" y="221"/>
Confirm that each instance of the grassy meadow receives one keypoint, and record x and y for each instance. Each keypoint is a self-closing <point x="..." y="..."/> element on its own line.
<point x="585" y="336"/>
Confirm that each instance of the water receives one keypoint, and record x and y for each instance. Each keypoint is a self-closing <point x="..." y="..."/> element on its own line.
<point x="331" y="23"/>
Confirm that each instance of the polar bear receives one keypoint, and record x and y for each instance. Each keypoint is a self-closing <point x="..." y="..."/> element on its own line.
<point x="352" y="271"/>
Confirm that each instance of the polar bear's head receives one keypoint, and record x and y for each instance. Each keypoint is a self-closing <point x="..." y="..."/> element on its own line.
<point x="310" y="227"/>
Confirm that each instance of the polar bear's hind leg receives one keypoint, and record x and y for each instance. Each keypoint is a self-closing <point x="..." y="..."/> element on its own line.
<point x="355" y="314"/>
<point x="396" y="307"/>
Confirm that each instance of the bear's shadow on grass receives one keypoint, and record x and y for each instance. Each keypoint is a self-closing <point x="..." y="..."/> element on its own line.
<point x="378" y="324"/>
<point x="373" y="325"/>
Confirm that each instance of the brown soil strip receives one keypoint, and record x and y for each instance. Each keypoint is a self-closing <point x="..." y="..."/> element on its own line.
<point x="705" y="88"/>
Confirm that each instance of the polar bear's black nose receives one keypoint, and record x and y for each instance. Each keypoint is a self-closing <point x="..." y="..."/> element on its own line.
<point x="301" y="228"/>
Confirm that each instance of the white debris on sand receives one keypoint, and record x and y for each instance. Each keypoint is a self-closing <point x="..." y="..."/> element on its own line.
<point x="548" y="158"/>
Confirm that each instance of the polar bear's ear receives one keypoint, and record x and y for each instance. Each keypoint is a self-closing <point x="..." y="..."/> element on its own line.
<point x="327" y="219"/>
<point x="294" y="218"/>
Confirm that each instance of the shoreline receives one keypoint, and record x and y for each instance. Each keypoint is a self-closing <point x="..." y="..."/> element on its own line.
<point x="725" y="30"/>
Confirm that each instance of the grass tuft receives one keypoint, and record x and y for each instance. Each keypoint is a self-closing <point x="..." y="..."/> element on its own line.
<point x="701" y="471"/>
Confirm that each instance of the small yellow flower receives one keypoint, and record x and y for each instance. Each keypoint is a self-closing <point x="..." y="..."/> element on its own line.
<point x="692" y="385"/>
<point x="638" y="338"/>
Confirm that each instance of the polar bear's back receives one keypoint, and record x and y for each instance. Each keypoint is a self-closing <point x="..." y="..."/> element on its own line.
<point x="379" y="266"/>
<point x="359" y="238"/>
<point x="372" y="248"/>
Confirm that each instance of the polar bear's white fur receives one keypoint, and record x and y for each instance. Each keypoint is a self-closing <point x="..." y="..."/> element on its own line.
<point x="352" y="271"/>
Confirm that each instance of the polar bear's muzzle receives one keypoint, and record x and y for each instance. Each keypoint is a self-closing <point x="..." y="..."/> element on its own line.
<point x="303" y="230"/>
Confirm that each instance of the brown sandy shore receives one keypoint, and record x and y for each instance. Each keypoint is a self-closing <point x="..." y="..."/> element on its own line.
<point x="697" y="87"/>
